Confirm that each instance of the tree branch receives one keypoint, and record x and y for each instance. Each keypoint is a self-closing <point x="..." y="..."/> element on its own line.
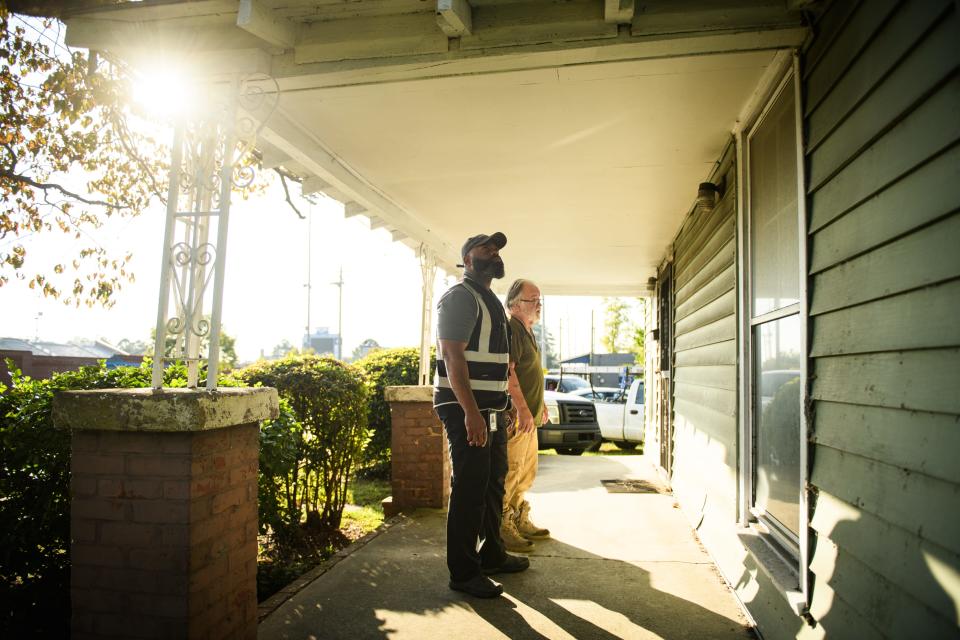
<point x="286" y="191"/>
<point x="4" y="173"/>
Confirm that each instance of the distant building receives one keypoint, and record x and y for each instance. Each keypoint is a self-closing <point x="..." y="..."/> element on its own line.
<point x="605" y="360"/>
<point x="41" y="359"/>
<point x="322" y="342"/>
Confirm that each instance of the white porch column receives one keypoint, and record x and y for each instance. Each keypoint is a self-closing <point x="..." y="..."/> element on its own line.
<point x="207" y="162"/>
<point x="428" y="269"/>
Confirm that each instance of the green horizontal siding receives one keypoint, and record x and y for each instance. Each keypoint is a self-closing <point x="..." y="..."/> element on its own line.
<point x="881" y="104"/>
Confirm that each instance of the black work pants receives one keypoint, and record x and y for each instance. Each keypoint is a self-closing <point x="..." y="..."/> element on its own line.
<point x="476" y="496"/>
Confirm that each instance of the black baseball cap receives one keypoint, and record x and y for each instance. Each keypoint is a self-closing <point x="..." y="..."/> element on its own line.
<point x="497" y="239"/>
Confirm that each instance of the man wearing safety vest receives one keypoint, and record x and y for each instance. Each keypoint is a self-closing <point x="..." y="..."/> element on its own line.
<point x="470" y="397"/>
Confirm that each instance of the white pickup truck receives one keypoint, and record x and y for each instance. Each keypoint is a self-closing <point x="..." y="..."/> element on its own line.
<point x="620" y="413"/>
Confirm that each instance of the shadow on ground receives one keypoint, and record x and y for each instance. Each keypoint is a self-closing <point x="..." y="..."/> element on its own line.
<point x="396" y="586"/>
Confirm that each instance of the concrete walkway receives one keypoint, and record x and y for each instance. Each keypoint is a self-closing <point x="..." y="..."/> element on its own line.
<point x="620" y="565"/>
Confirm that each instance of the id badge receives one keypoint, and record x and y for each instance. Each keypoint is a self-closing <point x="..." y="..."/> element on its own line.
<point x="493" y="421"/>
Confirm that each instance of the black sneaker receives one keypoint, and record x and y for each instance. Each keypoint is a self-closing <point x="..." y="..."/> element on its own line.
<point x="478" y="586"/>
<point x="510" y="564"/>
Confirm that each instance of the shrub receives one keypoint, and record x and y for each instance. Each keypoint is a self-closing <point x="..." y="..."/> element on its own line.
<point x="310" y="457"/>
<point x="35" y="490"/>
<point x="386" y="368"/>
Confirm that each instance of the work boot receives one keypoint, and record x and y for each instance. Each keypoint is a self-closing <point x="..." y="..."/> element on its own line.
<point x="526" y="528"/>
<point x="512" y="539"/>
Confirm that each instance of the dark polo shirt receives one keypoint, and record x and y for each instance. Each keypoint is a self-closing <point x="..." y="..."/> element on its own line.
<point x="525" y="355"/>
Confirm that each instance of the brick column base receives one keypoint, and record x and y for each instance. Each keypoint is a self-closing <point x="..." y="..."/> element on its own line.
<point x="163" y="521"/>
<point x="418" y="443"/>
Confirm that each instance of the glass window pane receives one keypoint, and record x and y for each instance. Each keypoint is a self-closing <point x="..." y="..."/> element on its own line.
<point x="774" y="241"/>
<point x="777" y="420"/>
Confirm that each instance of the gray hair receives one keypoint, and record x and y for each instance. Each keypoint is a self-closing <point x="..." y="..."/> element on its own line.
<point x="513" y="294"/>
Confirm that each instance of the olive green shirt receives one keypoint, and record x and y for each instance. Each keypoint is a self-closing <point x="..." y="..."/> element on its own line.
<point x="525" y="355"/>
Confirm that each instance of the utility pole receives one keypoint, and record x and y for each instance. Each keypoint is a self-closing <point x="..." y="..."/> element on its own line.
<point x="339" y="285"/>
<point x="592" y="335"/>
<point x="560" y="342"/>
<point x="309" y="286"/>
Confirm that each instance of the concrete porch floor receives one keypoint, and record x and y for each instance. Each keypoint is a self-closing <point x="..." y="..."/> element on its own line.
<point x="620" y="565"/>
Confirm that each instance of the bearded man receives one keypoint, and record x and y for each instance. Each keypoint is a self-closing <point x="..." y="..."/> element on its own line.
<point x="470" y="396"/>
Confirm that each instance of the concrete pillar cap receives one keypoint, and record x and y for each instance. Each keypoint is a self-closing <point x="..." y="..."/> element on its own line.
<point x="163" y="409"/>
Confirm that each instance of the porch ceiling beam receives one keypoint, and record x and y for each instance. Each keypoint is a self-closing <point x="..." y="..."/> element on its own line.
<point x="313" y="184"/>
<point x="351" y="209"/>
<point x="638" y="290"/>
<point x="271" y="158"/>
<point x="374" y="37"/>
<point x="182" y="38"/>
<point x="258" y="20"/>
<point x="288" y="136"/>
<point x="618" y="11"/>
<point x="455" y="17"/>
<point x="299" y="71"/>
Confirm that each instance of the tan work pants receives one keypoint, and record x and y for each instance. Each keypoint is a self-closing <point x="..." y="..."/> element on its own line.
<point x="521" y="470"/>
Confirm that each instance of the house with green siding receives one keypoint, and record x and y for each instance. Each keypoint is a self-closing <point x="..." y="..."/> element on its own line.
<point x="781" y="179"/>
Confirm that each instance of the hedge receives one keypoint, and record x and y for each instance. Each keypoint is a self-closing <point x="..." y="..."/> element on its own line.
<point x="386" y="368"/>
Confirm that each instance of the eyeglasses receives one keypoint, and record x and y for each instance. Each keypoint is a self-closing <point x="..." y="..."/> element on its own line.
<point x="537" y="301"/>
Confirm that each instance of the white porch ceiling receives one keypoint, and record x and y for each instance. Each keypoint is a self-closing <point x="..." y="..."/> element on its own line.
<point x="581" y="129"/>
<point x="588" y="170"/>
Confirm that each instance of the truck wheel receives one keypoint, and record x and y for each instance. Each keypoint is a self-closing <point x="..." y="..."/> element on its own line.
<point x="570" y="452"/>
<point x="626" y="446"/>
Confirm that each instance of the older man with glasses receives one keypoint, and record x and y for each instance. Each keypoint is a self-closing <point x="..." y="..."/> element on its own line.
<point x="525" y="386"/>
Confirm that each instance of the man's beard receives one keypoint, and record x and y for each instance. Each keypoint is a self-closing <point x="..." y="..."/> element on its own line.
<point x="492" y="268"/>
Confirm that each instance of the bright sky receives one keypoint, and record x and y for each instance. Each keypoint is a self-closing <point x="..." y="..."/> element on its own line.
<point x="265" y="298"/>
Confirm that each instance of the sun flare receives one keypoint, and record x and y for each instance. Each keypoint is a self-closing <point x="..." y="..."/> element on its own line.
<point x="163" y="91"/>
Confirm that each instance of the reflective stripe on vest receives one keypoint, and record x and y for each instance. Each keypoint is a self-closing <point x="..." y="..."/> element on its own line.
<point x="488" y="367"/>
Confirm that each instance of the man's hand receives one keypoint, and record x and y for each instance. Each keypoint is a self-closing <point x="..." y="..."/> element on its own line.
<point x="476" y="429"/>
<point x="546" y="415"/>
<point x="525" y="420"/>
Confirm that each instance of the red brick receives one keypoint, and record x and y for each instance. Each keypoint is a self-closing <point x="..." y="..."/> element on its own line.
<point x="177" y="442"/>
<point x="93" y="600"/>
<point x="208" y="528"/>
<point x="99" y="509"/>
<point x="200" y="508"/>
<point x="174" y="534"/>
<point x="83" y="530"/>
<point x="230" y="498"/>
<point x="159" y="605"/>
<point x="96" y="463"/>
<point x="242" y="474"/>
<point x="169" y="466"/>
<point x="211" y="441"/>
<point x="161" y="511"/>
<point x="83" y="577"/>
<point x="128" y="580"/>
<point x="208" y="574"/>
<point x="244" y="436"/>
<point x="85" y="441"/>
<point x="83" y="485"/>
<point x="96" y="555"/>
<point x="176" y="489"/>
<point x="130" y="442"/>
<point x="200" y="554"/>
<point x="159" y="559"/>
<point x="131" y="534"/>
<point x="129" y="488"/>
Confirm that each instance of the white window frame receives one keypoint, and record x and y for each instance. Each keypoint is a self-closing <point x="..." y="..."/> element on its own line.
<point x="789" y="72"/>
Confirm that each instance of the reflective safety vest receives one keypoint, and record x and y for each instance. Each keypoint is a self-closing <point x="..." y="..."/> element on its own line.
<point x="487" y="355"/>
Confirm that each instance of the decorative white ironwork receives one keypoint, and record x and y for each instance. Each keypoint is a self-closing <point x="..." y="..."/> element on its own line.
<point x="428" y="269"/>
<point x="211" y="155"/>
